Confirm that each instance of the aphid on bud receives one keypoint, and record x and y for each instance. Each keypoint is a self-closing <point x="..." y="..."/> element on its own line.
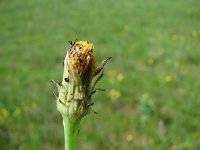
<point x="66" y="79"/>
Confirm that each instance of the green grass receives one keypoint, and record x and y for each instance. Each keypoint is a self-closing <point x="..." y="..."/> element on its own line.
<point x="153" y="101"/>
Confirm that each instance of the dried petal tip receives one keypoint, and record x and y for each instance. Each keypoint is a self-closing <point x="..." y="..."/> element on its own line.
<point x="81" y="60"/>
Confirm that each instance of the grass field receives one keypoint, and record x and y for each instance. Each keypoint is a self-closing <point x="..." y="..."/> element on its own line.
<point x="153" y="79"/>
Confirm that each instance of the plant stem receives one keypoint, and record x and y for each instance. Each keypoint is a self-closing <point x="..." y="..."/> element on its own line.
<point x="71" y="129"/>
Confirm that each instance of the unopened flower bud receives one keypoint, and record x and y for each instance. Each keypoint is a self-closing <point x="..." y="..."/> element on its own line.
<point x="76" y="89"/>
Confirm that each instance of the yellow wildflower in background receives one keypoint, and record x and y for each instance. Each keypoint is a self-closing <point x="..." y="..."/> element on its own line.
<point x="168" y="78"/>
<point x="129" y="138"/>
<point x="4" y="113"/>
<point x="114" y="93"/>
<point x="194" y="34"/>
<point x="120" y="77"/>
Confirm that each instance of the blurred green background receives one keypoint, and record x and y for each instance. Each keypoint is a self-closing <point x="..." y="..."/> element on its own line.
<point x="153" y="99"/>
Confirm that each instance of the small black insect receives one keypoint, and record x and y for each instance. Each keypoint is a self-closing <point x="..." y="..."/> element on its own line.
<point x="66" y="79"/>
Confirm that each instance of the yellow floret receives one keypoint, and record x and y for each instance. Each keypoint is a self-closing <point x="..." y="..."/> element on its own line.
<point x="85" y="44"/>
<point x="81" y="55"/>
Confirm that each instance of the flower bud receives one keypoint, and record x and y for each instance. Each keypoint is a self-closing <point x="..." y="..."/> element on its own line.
<point x="76" y="89"/>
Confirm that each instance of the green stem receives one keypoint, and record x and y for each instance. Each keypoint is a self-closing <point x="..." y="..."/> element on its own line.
<point x="71" y="129"/>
